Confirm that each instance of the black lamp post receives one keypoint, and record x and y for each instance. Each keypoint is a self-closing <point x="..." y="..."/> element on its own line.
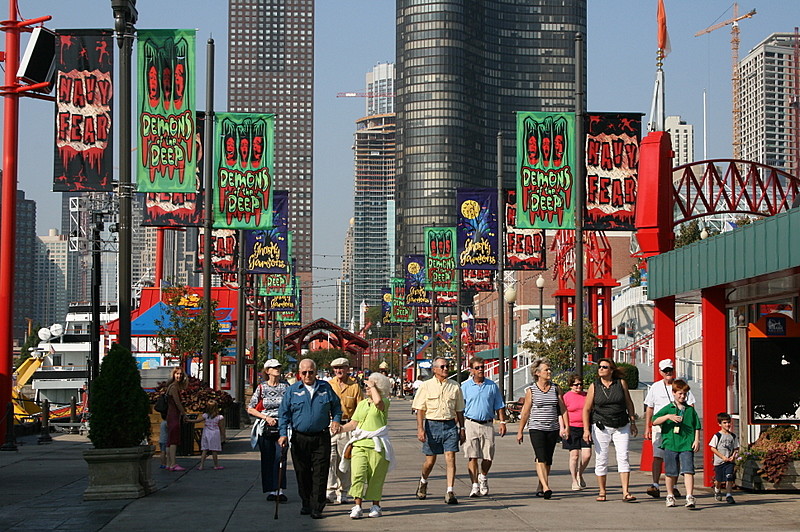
<point x="540" y="286"/>
<point x="510" y="296"/>
<point x="125" y="16"/>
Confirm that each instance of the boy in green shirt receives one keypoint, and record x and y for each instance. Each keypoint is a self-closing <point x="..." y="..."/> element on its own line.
<point x="680" y="439"/>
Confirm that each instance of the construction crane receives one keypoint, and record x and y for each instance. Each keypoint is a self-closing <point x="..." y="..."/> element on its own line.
<point x="735" y="78"/>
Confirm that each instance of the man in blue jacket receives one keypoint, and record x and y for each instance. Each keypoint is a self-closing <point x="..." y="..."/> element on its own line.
<point x="312" y="409"/>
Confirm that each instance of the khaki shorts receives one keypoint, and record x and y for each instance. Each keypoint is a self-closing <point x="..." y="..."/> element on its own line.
<point x="655" y="438"/>
<point x="480" y="440"/>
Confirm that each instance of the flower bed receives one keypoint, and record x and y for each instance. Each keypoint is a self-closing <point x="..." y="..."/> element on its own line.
<point x="772" y="461"/>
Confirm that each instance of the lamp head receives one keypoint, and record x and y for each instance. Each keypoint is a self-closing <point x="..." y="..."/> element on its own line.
<point x="540" y="281"/>
<point x="124" y="14"/>
<point x="510" y="295"/>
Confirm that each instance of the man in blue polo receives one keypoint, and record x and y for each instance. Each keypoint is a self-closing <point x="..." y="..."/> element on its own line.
<point x="314" y="412"/>
<point x="483" y="401"/>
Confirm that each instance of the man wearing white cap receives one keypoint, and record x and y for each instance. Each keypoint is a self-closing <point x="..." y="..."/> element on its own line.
<point x="349" y="391"/>
<point x="658" y="396"/>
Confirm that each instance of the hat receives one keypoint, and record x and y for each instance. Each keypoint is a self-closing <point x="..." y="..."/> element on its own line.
<point x="383" y="365"/>
<point x="664" y="364"/>
<point x="272" y="363"/>
<point x="340" y="363"/>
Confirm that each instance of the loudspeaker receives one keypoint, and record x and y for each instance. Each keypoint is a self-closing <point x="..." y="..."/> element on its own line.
<point x="39" y="61"/>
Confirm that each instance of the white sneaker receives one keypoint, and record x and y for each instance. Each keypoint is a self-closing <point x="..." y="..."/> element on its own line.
<point x="375" y="511"/>
<point x="670" y="501"/>
<point x="331" y="497"/>
<point x="356" y="512"/>
<point x="483" y="483"/>
<point x="476" y="492"/>
<point x="690" y="501"/>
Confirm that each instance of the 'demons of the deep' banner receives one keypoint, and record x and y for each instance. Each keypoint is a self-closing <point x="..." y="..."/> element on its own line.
<point x="244" y="162"/>
<point x="545" y="170"/>
<point x="440" y="260"/>
<point x="84" y="89"/>
<point x="166" y="68"/>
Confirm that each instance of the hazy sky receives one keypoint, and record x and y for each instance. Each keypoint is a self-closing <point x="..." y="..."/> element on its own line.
<point x="353" y="35"/>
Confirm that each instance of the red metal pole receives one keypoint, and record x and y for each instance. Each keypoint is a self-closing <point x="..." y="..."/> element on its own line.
<point x="715" y="368"/>
<point x="160" y="231"/>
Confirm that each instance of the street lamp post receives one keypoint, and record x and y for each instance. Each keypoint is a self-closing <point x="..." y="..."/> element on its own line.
<point x="510" y="297"/>
<point x="540" y="286"/>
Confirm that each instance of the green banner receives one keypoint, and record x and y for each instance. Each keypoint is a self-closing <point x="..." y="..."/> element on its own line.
<point x="546" y="170"/>
<point x="400" y="312"/>
<point x="243" y="155"/>
<point x="440" y="259"/>
<point x="166" y="160"/>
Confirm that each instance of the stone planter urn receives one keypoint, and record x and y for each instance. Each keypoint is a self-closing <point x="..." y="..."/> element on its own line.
<point x="753" y="481"/>
<point x="122" y="473"/>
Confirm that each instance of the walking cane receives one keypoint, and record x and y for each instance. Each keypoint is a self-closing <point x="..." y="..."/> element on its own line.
<point x="281" y="472"/>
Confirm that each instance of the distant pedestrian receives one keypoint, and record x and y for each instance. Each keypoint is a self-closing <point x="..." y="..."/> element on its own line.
<point x="610" y="409"/>
<point x="213" y="434"/>
<point x="658" y="396"/>
<point x="680" y="439"/>
<point x="440" y="425"/>
<point x="312" y="410"/>
<point x="264" y="406"/>
<point x="483" y="402"/>
<point x="580" y="451"/>
<point x="725" y="446"/>
<point x="163" y="438"/>
<point x="175" y="414"/>
<point x="545" y="415"/>
<point x="349" y="392"/>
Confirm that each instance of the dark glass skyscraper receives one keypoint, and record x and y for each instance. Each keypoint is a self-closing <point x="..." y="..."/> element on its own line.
<point x="463" y="68"/>
<point x="271" y="70"/>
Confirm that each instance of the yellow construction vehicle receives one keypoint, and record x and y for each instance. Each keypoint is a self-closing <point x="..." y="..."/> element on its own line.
<point x="26" y="410"/>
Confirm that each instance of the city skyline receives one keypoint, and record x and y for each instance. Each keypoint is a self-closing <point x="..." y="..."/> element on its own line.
<point x="621" y="59"/>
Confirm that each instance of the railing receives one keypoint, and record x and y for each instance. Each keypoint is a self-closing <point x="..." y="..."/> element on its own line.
<point x="688" y="329"/>
<point x="632" y="295"/>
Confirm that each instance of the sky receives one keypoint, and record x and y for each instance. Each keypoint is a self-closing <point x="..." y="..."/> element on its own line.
<point x="351" y="36"/>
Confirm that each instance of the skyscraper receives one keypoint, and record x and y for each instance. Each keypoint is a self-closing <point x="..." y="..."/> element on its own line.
<point x="271" y="70"/>
<point x="24" y="256"/>
<point x="344" y="286"/>
<point x="374" y="153"/>
<point x="463" y="69"/>
<point x="682" y="139"/>
<point x="769" y="99"/>
<point x="52" y="266"/>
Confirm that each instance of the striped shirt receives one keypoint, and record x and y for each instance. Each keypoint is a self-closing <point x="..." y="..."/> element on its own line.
<point x="544" y="408"/>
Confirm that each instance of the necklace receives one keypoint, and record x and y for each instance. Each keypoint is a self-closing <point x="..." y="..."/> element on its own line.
<point x="605" y="389"/>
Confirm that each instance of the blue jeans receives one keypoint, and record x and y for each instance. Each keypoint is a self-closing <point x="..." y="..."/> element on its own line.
<point x="440" y="437"/>
<point x="676" y="463"/>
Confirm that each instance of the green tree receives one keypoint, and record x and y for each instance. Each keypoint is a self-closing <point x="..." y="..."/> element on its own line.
<point x="24" y="352"/>
<point x="558" y="344"/>
<point x="688" y="233"/>
<point x="182" y="332"/>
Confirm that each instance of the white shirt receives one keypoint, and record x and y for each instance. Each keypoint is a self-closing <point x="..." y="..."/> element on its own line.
<point x="310" y="390"/>
<point x="660" y="395"/>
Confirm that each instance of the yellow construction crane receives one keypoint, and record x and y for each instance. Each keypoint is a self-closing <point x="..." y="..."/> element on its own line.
<point x="735" y="78"/>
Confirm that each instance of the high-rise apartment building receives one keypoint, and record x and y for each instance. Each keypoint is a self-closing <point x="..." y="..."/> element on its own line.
<point x="51" y="269"/>
<point x="271" y="70"/>
<point x="24" y="253"/>
<point x="463" y="69"/>
<point x="769" y="98"/>
<point x="374" y="159"/>
<point x="682" y="135"/>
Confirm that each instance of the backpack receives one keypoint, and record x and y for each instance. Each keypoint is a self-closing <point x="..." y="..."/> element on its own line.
<point x="161" y="404"/>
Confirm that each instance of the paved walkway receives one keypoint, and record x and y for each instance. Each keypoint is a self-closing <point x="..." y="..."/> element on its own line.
<point x="41" y="488"/>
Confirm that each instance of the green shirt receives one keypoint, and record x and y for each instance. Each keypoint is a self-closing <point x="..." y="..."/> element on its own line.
<point x="370" y="418"/>
<point x="684" y="438"/>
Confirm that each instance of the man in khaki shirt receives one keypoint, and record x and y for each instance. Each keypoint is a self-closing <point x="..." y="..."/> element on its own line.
<point x="349" y="391"/>
<point x="440" y="425"/>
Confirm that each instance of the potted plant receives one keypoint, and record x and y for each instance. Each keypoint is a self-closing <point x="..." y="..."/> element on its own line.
<point x="119" y="465"/>
<point x="771" y="462"/>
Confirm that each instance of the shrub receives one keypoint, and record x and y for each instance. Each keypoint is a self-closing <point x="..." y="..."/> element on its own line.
<point x="630" y="373"/>
<point x="119" y="406"/>
<point x="196" y="395"/>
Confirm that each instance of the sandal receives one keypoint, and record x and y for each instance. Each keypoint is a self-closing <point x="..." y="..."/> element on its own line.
<point x="540" y="493"/>
<point x="601" y="498"/>
<point x="628" y="498"/>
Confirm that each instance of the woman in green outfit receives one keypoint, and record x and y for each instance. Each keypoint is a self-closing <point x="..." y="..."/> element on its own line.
<point x="372" y="453"/>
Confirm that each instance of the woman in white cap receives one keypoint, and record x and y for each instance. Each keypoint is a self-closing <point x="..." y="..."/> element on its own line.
<point x="264" y="405"/>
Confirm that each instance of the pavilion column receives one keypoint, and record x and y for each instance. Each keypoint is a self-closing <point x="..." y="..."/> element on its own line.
<point x="714" y="366"/>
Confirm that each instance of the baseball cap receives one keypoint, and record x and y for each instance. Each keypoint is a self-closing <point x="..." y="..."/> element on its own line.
<point x="340" y="362"/>
<point x="272" y="363"/>
<point x="383" y="365"/>
<point x="664" y="364"/>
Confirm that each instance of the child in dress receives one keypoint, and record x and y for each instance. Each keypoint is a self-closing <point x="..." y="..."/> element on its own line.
<point x="162" y="440"/>
<point x="213" y="434"/>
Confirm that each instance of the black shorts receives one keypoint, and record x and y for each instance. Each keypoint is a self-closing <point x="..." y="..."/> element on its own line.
<point x="575" y="440"/>
<point x="724" y="472"/>
<point x="544" y="444"/>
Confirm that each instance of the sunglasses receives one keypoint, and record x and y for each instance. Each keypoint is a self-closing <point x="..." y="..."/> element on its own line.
<point x="577" y="384"/>
<point x="604" y="367"/>
<point x="307" y="372"/>
<point x="443" y="366"/>
<point x="668" y="370"/>
<point x="477" y="367"/>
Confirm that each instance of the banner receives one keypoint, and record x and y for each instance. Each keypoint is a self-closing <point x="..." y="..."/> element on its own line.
<point x="526" y="249"/>
<point x="612" y="170"/>
<point x="167" y="125"/>
<point x="276" y="284"/>
<point x="84" y="157"/>
<point x="440" y="261"/>
<point x="481" y="335"/>
<point x="288" y="318"/>
<point x="386" y="305"/>
<point x="400" y="312"/>
<point x="180" y="209"/>
<point x="416" y="279"/>
<point x="424" y="315"/>
<point x="224" y="253"/>
<point x="477" y="280"/>
<point x="243" y="157"/>
<point x="268" y="250"/>
<point x="545" y="170"/>
<point x="446" y="299"/>
<point x="477" y="228"/>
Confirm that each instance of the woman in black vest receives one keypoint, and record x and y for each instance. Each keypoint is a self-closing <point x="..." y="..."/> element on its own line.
<point x="609" y="414"/>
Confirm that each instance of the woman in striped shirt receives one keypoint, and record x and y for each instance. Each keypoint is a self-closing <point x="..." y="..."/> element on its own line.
<point x="545" y="415"/>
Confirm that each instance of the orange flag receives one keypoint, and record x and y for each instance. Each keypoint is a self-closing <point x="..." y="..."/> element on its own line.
<point x="663" y="36"/>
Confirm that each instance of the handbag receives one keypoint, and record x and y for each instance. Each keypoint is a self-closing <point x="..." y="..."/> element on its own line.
<point x="348" y="451"/>
<point x="161" y="404"/>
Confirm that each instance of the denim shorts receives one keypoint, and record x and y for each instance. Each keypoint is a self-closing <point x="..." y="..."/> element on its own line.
<point x="676" y="463"/>
<point x="440" y="437"/>
<point x="724" y="472"/>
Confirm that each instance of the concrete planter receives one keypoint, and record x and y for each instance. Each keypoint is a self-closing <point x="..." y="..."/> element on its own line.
<point x="119" y="473"/>
<point x="753" y="481"/>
